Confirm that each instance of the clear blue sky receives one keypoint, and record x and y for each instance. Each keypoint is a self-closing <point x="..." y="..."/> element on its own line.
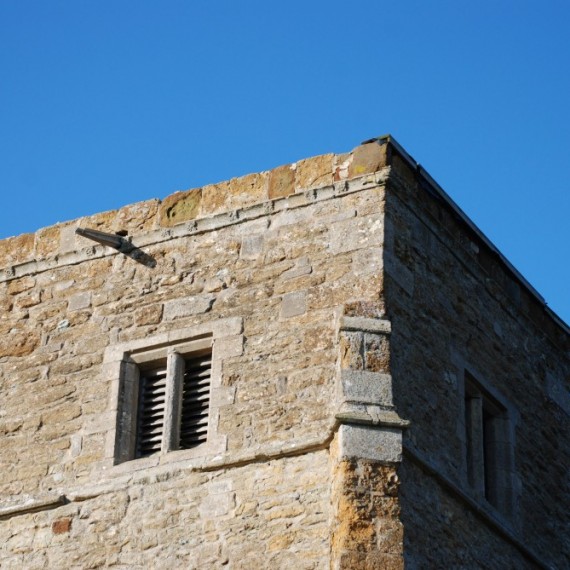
<point x="104" y="103"/>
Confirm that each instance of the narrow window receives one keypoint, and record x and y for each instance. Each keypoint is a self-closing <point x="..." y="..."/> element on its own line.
<point x="195" y="401"/>
<point x="487" y="449"/>
<point x="151" y="411"/>
<point x="172" y="402"/>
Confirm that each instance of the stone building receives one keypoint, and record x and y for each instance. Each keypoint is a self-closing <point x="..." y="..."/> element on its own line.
<point x="326" y="365"/>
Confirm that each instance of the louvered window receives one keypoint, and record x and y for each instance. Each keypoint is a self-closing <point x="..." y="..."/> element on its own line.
<point x="172" y="399"/>
<point x="151" y="411"/>
<point x="195" y="401"/>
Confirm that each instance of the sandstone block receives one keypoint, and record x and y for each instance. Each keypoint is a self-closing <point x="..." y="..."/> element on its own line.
<point x="314" y="172"/>
<point x="180" y="207"/>
<point x="149" y="315"/>
<point x="19" y="285"/>
<point x="248" y="190"/>
<point x="229" y="346"/>
<point x="281" y="181"/>
<point x="18" y="343"/>
<point x="61" y="526"/>
<point x="16" y="249"/>
<point x="367" y="158"/>
<point x="215" y="197"/>
<point x="80" y="301"/>
<point x="139" y="216"/>
<point x="236" y="193"/>
<point x="68" y="241"/>
<point x="47" y="242"/>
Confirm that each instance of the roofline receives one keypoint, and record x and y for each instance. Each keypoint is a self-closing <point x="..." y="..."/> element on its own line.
<point x="464" y="218"/>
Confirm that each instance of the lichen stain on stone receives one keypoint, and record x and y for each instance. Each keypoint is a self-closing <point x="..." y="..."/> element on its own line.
<point x="180" y="207"/>
<point x="367" y="511"/>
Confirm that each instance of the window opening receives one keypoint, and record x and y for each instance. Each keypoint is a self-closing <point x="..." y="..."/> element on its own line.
<point x="487" y="447"/>
<point x="151" y="409"/>
<point x="195" y="401"/>
<point x="167" y="400"/>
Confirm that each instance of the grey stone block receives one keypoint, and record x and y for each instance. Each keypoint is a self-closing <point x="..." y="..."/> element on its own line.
<point x="365" y="442"/>
<point x="293" y="304"/>
<point x="365" y="324"/>
<point x="79" y="301"/>
<point x="366" y="387"/>
<point x="303" y="267"/>
<point x="251" y="246"/>
<point x="353" y="234"/>
<point x="187" y="307"/>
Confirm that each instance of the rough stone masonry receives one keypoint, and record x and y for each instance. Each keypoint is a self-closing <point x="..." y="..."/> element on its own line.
<point x="382" y="388"/>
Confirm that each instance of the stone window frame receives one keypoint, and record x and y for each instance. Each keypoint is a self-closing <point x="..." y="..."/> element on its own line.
<point x="172" y="360"/>
<point x="224" y="336"/>
<point x="487" y="431"/>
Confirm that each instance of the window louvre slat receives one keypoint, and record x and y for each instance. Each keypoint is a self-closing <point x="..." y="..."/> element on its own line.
<point x="195" y="402"/>
<point x="151" y="411"/>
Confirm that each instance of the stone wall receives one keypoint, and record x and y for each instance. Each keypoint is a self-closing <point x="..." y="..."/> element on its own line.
<point x="457" y="309"/>
<point x="270" y="263"/>
<point x="264" y="514"/>
<point x="338" y="292"/>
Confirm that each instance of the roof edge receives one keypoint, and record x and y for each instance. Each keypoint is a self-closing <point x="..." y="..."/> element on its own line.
<point x="423" y="174"/>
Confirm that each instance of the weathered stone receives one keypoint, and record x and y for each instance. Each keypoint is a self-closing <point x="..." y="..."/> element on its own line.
<point x="341" y="165"/>
<point x="28" y="300"/>
<point x="215" y="197"/>
<point x="79" y="301"/>
<point x="187" y="307"/>
<point x="236" y="193"/>
<point x="61" y="526"/>
<point x="150" y="315"/>
<point x="19" y="248"/>
<point x="376" y="444"/>
<point x="68" y="238"/>
<point x="314" y="172"/>
<point x="367" y="158"/>
<point x="180" y="207"/>
<point x="138" y="216"/>
<point x="293" y="304"/>
<point x="18" y="343"/>
<point x="47" y="242"/>
<point x="18" y="285"/>
<point x="366" y="387"/>
<point x="281" y="182"/>
<point x="251" y="246"/>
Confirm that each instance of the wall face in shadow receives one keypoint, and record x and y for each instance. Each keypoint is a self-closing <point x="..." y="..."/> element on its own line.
<point x="458" y="313"/>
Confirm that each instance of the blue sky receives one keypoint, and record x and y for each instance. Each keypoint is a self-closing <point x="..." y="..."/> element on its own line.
<point x="104" y="103"/>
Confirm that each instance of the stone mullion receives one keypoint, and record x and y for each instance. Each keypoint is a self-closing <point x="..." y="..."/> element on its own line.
<point x="173" y="402"/>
